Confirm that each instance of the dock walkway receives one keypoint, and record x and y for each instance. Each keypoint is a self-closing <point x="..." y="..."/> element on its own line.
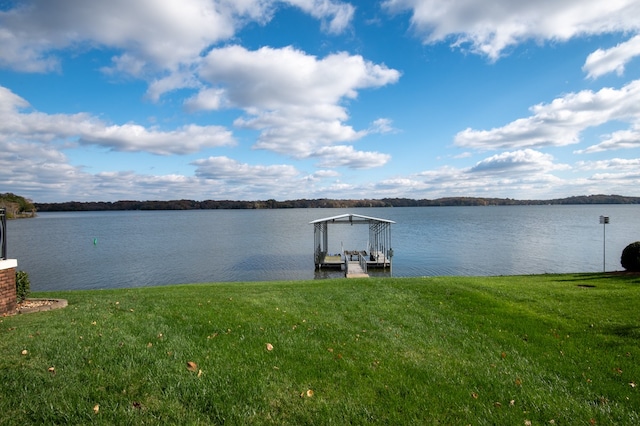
<point x="354" y="270"/>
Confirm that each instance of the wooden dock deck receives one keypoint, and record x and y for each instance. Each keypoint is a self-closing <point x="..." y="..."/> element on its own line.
<point x="354" y="270"/>
<point x="355" y="264"/>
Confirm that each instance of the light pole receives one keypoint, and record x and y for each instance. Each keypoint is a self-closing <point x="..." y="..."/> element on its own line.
<point x="604" y="220"/>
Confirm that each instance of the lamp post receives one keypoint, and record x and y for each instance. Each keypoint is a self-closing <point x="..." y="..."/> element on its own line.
<point x="604" y="220"/>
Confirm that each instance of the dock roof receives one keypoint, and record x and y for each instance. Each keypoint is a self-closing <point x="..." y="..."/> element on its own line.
<point x="351" y="217"/>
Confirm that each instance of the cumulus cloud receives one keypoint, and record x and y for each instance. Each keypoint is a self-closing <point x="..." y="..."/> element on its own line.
<point x="246" y="181"/>
<point x="335" y="17"/>
<point x="271" y="79"/>
<point x="293" y="99"/>
<point x="347" y="156"/>
<point x="604" y="61"/>
<point x="135" y="138"/>
<point x="165" y="33"/>
<point x="522" y="161"/>
<point x="560" y="122"/>
<point x="611" y="164"/>
<point x="622" y="139"/>
<point x="489" y="28"/>
<point x="382" y="125"/>
<point x="19" y="125"/>
<point x="322" y="174"/>
<point x="523" y="171"/>
<point x="158" y="35"/>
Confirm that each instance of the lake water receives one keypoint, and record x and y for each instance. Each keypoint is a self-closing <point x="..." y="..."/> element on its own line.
<point x="91" y="250"/>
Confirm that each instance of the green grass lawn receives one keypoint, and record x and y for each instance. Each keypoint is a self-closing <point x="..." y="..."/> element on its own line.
<point x="546" y="349"/>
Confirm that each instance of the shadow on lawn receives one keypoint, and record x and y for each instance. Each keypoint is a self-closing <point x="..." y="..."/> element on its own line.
<point x="626" y="331"/>
<point x="620" y="276"/>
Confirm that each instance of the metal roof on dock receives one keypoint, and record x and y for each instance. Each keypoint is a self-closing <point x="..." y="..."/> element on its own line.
<point x="351" y="217"/>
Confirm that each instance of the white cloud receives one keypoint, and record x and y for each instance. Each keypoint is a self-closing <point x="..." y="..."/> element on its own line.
<point x="517" y="162"/>
<point x="233" y="172"/>
<point x="602" y="61"/>
<point x="245" y="181"/>
<point x="622" y="139"/>
<point x="618" y="164"/>
<point x="382" y="125"/>
<point x="135" y="138"/>
<point x="297" y="137"/>
<point x="489" y="28"/>
<point x="519" y="172"/>
<point x="271" y="79"/>
<point x="560" y="122"/>
<point x="206" y="99"/>
<point x="163" y="35"/>
<point x="347" y="156"/>
<point x="322" y="174"/>
<point x="293" y="99"/>
<point x="178" y="79"/>
<point x="335" y="16"/>
<point x="16" y="124"/>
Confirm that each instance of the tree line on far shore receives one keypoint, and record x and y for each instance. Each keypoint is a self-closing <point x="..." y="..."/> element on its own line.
<point x="321" y="203"/>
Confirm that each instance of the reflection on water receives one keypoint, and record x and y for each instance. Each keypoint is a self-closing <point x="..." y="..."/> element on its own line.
<point x="143" y="248"/>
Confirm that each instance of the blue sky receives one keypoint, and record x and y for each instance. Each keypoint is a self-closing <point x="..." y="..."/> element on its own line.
<point x="261" y="99"/>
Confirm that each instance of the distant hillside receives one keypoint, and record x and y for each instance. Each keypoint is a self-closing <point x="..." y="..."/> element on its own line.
<point x="322" y="203"/>
<point x="16" y="206"/>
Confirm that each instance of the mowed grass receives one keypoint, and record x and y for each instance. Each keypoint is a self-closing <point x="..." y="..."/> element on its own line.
<point x="546" y="349"/>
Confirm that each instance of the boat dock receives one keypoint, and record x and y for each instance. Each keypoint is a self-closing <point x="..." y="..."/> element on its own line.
<point x="355" y="263"/>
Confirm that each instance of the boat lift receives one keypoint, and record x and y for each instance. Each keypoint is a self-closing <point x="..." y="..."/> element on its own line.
<point x="378" y="254"/>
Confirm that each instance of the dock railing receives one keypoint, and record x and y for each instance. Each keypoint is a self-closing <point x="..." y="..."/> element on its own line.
<point x="363" y="262"/>
<point x="3" y="234"/>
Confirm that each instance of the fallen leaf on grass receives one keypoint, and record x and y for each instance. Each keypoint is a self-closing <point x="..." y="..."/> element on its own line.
<point x="149" y="344"/>
<point x="52" y="370"/>
<point x="474" y="395"/>
<point x="24" y="352"/>
<point x="96" y="408"/>
<point x="269" y="347"/>
<point x="192" y="366"/>
<point x="632" y="384"/>
<point x="309" y="393"/>
<point x="199" y="373"/>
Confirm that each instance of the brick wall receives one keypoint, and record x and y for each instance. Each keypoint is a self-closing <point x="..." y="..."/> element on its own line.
<point x="7" y="287"/>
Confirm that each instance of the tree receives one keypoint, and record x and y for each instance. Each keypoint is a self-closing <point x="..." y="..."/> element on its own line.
<point x="630" y="259"/>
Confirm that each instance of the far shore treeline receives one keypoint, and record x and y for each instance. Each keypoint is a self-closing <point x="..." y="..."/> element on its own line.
<point x="323" y="203"/>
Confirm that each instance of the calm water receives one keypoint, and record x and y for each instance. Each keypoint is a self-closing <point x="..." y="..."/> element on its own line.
<point x="141" y="248"/>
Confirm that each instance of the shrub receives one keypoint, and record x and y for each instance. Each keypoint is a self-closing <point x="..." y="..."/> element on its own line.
<point x="23" y="285"/>
<point x="630" y="259"/>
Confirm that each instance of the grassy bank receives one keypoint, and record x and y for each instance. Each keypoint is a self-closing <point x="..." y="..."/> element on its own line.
<point x="450" y="350"/>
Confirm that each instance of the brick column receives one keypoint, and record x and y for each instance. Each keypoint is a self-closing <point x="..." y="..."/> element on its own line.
<point x="8" y="298"/>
